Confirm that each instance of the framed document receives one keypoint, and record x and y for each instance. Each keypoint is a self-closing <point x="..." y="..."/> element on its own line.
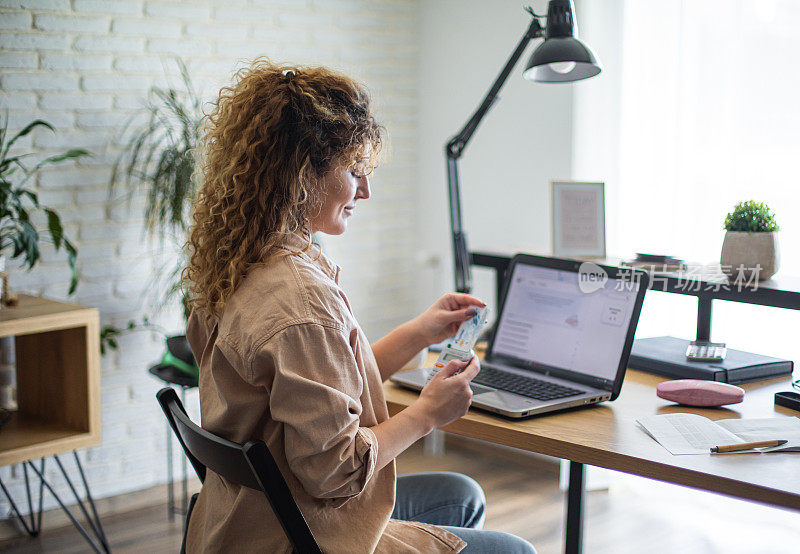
<point x="579" y="219"/>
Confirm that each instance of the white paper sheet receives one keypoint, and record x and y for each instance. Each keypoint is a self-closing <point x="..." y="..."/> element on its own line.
<point x="786" y="428"/>
<point x="686" y="433"/>
<point x="694" y="434"/>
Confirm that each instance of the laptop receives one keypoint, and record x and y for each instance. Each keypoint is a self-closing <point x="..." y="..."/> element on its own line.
<point x="563" y="336"/>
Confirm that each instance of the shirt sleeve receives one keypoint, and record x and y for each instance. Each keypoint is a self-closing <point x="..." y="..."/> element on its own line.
<point x="315" y="392"/>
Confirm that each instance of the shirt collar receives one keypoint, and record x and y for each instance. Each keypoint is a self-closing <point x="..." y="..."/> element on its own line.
<point x="298" y="245"/>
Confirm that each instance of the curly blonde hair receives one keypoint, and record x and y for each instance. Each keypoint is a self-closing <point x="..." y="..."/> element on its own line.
<point x="268" y="139"/>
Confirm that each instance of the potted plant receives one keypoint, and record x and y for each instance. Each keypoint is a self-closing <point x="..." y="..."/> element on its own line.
<point x="750" y="249"/>
<point x="19" y="237"/>
<point x="159" y="160"/>
<point x="17" y="203"/>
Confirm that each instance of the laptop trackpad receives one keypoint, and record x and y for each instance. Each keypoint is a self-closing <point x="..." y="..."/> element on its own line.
<point x="504" y="399"/>
<point x="478" y="389"/>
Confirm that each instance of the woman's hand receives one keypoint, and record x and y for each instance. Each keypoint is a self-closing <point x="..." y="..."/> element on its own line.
<point x="434" y="325"/>
<point x="445" y="316"/>
<point x="447" y="396"/>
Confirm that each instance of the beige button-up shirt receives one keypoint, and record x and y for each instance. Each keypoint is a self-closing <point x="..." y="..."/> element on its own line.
<point x="288" y="364"/>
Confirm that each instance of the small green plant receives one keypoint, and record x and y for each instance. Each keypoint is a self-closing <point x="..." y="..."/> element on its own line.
<point x="17" y="202"/>
<point x="751" y="217"/>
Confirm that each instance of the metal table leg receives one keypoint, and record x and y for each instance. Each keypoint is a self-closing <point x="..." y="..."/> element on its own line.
<point x="94" y="523"/>
<point x="101" y="544"/>
<point x="36" y="520"/>
<point x="573" y="538"/>
<point x="433" y="444"/>
<point x="184" y="486"/>
<point x="170" y="481"/>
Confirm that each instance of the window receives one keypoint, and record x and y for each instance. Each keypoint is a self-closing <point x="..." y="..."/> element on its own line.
<point x="697" y="109"/>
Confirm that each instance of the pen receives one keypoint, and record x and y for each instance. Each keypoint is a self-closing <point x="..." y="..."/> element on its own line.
<point x="747" y="445"/>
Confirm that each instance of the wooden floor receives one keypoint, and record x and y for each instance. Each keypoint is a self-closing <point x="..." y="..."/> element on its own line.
<point x="523" y="497"/>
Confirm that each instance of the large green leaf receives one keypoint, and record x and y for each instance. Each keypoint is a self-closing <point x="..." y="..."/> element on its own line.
<point x="72" y="256"/>
<point x="6" y="163"/>
<point x="54" y="224"/>
<point x="71" y="154"/>
<point x="32" y="196"/>
<point x="27" y="129"/>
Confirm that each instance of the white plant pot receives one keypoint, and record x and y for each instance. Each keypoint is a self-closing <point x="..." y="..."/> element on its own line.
<point x="744" y="254"/>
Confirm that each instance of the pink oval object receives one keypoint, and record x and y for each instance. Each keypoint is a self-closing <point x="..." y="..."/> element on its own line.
<point x="695" y="392"/>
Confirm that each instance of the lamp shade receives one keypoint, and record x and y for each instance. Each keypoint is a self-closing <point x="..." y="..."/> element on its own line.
<point x="561" y="58"/>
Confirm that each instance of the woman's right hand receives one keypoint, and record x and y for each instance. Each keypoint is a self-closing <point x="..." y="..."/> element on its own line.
<point x="447" y="396"/>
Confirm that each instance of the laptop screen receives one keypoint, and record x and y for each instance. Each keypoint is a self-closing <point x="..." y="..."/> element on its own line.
<point x="551" y="322"/>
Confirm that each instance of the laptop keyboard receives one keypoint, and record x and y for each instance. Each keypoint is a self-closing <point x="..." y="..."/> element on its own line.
<point x="525" y="386"/>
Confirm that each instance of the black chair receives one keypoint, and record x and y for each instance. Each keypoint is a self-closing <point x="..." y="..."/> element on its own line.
<point x="181" y="352"/>
<point x="171" y="375"/>
<point x="250" y="465"/>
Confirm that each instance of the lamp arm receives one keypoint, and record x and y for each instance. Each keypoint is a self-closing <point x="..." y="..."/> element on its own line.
<point x="456" y="144"/>
<point x="455" y="148"/>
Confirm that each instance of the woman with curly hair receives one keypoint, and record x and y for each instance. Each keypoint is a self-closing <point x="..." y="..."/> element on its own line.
<point x="287" y="152"/>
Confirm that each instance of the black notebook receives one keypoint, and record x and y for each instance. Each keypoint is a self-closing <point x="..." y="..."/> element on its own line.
<point x="667" y="356"/>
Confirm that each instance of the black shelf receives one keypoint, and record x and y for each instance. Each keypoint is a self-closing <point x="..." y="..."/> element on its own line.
<point x="778" y="292"/>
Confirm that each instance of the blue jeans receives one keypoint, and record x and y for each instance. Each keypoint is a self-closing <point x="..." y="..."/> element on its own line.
<point x="456" y="503"/>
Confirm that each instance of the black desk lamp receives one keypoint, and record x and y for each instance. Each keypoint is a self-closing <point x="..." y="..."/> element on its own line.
<point x="561" y="58"/>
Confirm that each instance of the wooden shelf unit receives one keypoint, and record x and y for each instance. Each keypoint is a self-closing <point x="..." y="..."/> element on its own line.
<point x="58" y="379"/>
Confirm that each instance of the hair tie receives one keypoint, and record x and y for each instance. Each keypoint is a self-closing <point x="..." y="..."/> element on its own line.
<point x="288" y="75"/>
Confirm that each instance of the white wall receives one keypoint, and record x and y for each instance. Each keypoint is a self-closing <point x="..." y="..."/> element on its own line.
<point x="523" y="143"/>
<point x="86" y="65"/>
<point x="597" y="103"/>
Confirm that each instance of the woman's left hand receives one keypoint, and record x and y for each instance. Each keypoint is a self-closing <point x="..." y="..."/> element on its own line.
<point x="443" y="319"/>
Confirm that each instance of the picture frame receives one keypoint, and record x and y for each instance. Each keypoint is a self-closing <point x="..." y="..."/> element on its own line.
<point x="578" y="216"/>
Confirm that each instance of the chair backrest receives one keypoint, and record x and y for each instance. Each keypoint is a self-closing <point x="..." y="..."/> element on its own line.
<point x="250" y="465"/>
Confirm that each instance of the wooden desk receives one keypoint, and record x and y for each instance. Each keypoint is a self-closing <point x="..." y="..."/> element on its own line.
<point x="607" y="436"/>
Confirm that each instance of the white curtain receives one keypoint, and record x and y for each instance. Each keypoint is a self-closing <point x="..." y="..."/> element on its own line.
<point x="709" y="117"/>
<point x="698" y="108"/>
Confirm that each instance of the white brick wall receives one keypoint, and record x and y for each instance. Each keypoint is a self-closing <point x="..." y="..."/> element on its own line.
<point x="86" y="66"/>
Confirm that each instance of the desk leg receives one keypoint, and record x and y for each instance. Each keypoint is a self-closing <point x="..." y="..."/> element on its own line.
<point x="573" y="538"/>
<point x="434" y="443"/>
